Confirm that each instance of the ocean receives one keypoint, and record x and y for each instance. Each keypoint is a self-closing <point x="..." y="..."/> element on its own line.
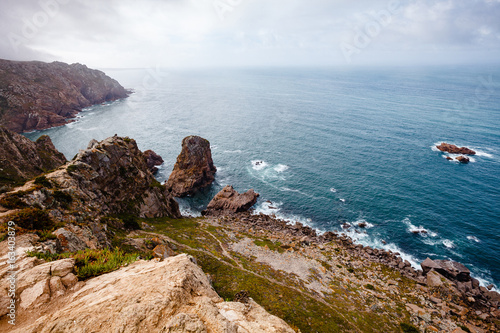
<point x="330" y="147"/>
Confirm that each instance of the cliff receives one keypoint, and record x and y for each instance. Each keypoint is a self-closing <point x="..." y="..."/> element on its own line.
<point x="36" y="95"/>
<point x="22" y="159"/>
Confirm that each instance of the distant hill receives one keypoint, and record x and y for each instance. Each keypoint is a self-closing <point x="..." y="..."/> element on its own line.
<point x="35" y="95"/>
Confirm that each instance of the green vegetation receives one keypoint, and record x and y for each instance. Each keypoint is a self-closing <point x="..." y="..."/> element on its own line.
<point x="71" y="168"/>
<point x="64" y="199"/>
<point x="270" y="244"/>
<point x="90" y="263"/>
<point x="45" y="235"/>
<point x="43" y="181"/>
<point x="33" y="219"/>
<point x="407" y="328"/>
<point x="370" y="286"/>
<point x="12" y="201"/>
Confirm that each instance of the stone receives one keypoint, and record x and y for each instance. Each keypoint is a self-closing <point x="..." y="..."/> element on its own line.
<point x="428" y="264"/>
<point x="36" y="295"/>
<point x="463" y="159"/>
<point x="194" y="169"/>
<point x="62" y="267"/>
<point x="162" y="251"/>
<point x="452" y="149"/>
<point x="22" y="159"/>
<point x="173" y="295"/>
<point x="69" y="280"/>
<point x="228" y="200"/>
<point x="434" y="279"/>
<point x="153" y="160"/>
<point x="57" y="288"/>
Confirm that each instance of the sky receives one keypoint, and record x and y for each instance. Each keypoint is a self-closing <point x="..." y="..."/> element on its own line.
<point x="215" y="33"/>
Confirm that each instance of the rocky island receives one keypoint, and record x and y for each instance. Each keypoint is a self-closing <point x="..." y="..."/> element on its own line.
<point x="35" y="95"/>
<point x="102" y="246"/>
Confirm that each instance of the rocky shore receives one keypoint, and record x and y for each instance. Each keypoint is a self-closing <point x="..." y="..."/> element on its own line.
<point x="36" y="95"/>
<point x="265" y="268"/>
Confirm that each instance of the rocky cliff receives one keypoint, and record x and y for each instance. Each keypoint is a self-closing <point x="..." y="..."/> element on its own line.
<point x="22" y="159"/>
<point x="110" y="177"/>
<point x="194" y="168"/>
<point x="36" y="95"/>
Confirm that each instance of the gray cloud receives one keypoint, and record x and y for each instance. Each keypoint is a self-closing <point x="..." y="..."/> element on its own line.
<point x="145" y="33"/>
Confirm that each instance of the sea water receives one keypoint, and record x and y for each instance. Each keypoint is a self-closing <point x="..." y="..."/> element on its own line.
<point x="330" y="147"/>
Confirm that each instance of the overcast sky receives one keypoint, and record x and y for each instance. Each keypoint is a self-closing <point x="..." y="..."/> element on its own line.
<point x="180" y="33"/>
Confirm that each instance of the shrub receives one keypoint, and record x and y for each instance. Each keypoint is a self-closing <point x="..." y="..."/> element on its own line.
<point x="45" y="235"/>
<point x="43" y="181"/>
<point x="63" y="198"/>
<point x="130" y="222"/>
<point x="91" y="263"/>
<point x="71" y="168"/>
<point x="33" y="219"/>
<point x="12" y="202"/>
<point x="407" y="328"/>
<point x="370" y="286"/>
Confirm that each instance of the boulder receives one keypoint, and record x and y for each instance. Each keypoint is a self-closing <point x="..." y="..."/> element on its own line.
<point x="452" y="149"/>
<point x="173" y="295"/>
<point x="463" y="159"/>
<point x="450" y="269"/>
<point x="194" y="168"/>
<point x="153" y="160"/>
<point x="228" y="200"/>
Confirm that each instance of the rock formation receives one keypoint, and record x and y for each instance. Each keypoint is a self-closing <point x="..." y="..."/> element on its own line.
<point x="229" y="201"/>
<point x="194" y="168"/>
<point x="109" y="177"/>
<point x="153" y="160"/>
<point x="36" y="95"/>
<point x="463" y="159"/>
<point x="169" y="296"/>
<point x="22" y="159"/>
<point x="452" y="149"/>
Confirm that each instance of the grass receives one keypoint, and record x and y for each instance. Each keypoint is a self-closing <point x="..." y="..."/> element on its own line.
<point x="33" y="219"/>
<point x="43" y="181"/>
<point x="270" y="244"/>
<point x="90" y="263"/>
<point x="407" y="328"/>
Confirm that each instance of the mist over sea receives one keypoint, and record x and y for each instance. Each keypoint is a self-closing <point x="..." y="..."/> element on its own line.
<point x="328" y="147"/>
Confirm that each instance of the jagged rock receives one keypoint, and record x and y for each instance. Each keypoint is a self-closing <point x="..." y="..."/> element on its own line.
<point x="447" y="268"/>
<point x="463" y="159"/>
<point x="452" y="149"/>
<point x="36" y="95"/>
<point x="149" y="296"/>
<point x="434" y="279"/>
<point x="109" y="178"/>
<point x="21" y="158"/>
<point x="153" y="160"/>
<point x="230" y="201"/>
<point x="429" y="264"/>
<point x="194" y="168"/>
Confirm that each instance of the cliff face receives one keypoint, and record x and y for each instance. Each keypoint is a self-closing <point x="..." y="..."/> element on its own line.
<point x="194" y="168"/>
<point x="21" y="158"/>
<point x="110" y="177"/>
<point x="36" y="95"/>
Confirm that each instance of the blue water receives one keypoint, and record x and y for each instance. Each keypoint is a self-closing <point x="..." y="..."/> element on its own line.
<point x="337" y="146"/>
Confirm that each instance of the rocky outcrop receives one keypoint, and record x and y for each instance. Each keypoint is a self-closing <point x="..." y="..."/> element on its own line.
<point x="194" y="168"/>
<point x="463" y="159"/>
<point x="109" y="177"/>
<point x="452" y="149"/>
<point x="229" y="201"/>
<point x="169" y="296"/>
<point x="22" y="159"/>
<point x="449" y="269"/>
<point x="153" y="160"/>
<point x="36" y="95"/>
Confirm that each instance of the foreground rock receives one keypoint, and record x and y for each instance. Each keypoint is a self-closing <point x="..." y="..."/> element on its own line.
<point x="194" y="168"/>
<point x="452" y="149"/>
<point x="169" y="296"/>
<point x="36" y="95"/>
<point x="109" y="177"/>
<point x="229" y="201"/>
<point x="22" y="159"/>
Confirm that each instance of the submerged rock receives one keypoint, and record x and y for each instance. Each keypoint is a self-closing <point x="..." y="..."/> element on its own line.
<point x="452" y="149"/>
<point x="463" y="159"/>
<point x="21" y="158"/>
<point x="194" y="168"/>
<point x="228" y="200"/>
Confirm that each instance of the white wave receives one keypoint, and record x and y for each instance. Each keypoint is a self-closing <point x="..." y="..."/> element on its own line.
<point x="333" y="190"/>
<point x="473" y="238"/>
<point x="343" y="200"/>
<point x="259" y="164"/>
<point x="281" y="168"/>
<point x="418" y="230"/>
<point x="273" y="208"/>
<point x="238" y="151"/>
<point x="449" y="244"/>
<point x="362" y="223"/>
<point x="214" y="147"/>
<point x="188" y="211"/>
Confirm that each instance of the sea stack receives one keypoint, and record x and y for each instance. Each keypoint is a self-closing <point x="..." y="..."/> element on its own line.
<point x="228" y="201"/>
<point x="194" y="168"/>
<point x="452" y="149"/>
